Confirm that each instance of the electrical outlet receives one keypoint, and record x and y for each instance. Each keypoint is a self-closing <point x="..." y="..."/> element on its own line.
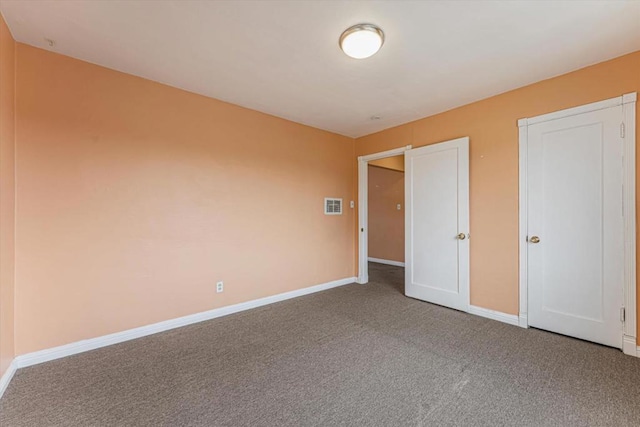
<point x="219" y="287"/>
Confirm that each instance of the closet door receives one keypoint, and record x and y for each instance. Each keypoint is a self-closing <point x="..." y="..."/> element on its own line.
<point x="575" y="226"/>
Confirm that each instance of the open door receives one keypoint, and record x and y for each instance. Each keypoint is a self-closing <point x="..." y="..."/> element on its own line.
<point x="437" y="223"/>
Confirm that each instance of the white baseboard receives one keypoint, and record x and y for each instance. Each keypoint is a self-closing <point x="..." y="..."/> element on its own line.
<point x="6" y="377"/>
<point x="386" y="261"/>
<point x="362" y="280"/>
<point x="523" y="321"/>
<point x="511" y="319"/>
<point x="118" y="337"/>
<point x="629" y="346"/>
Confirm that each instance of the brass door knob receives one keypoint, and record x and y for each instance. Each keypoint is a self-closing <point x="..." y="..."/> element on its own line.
<point x="461" y="236"/>
<point x="534" y="239"/>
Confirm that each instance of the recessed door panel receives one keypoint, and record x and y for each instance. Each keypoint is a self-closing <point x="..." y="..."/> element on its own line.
<point x="437" y="218"/>
<point x="575" y="247"/>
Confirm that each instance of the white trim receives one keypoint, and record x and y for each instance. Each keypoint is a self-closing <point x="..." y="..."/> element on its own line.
<point x="385" y="154"/>
<point x="522" y="224"/>
<point x="594" y="106"/>
<point x="628" y="102"/>
<point x="628" y="98"/>
<point x="363" y="208"/>
<point x="6" y="377"/>
<point x="511" y="319"/>
<point x="386" y="261"/>
<point x="118" y="337"/>
<point x="523" y="321"/>
<point x="629" y="346"/>
<point x="629" y="205"/>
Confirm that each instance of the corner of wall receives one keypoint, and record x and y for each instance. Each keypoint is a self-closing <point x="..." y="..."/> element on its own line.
<point x="7" y="201"/>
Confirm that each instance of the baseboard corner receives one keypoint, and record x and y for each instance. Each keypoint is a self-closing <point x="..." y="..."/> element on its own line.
<point x="386" y="261"/>
<point x="523" y="321"/>
<point x="511" y="319"/>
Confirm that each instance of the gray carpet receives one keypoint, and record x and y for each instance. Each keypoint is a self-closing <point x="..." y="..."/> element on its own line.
<point x="355" y="355"/>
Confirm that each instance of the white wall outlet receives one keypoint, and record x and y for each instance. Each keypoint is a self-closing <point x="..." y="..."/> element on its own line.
<point x="352" y="204"/>
<point x="398" y="206"/>
<point x="219" y="287"/>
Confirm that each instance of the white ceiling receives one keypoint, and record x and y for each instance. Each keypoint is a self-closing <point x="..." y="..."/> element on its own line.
<point x="282" y="57"/>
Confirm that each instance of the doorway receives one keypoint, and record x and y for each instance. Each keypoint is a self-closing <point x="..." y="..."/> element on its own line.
<point x="386" y="211"/>
<point x="577" y="222"/>
<point x="363" y="205"/>
<point x="436" y="221"/>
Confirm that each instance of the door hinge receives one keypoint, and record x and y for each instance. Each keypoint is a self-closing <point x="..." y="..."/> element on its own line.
<point x="622" y="130"/>
<point x="622" y="314"/>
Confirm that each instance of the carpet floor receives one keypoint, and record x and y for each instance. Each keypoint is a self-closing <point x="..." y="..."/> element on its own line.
<point x="352" y="356"/>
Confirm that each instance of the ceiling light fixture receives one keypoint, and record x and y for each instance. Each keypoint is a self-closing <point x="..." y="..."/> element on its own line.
<point x="361" y="41"/>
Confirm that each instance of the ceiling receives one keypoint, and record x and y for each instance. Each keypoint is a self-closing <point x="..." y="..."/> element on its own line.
<point x="282" y="57"/>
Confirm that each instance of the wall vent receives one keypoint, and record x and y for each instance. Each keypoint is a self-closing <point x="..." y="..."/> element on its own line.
<point x="332" y="206"/>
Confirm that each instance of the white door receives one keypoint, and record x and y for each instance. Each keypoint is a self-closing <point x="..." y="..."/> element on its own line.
<point x="437" y="223"/>
<point x="575" y="226"/>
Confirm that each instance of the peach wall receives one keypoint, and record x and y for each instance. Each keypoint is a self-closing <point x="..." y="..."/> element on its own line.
<point x="393" y="162"/>
<point x="491" y="126"/>
<point x="386" y="222"/>
<point x="134" y="198"/>
<point x="7" y="194"/>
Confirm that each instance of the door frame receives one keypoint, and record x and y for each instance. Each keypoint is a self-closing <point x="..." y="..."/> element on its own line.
<point x="363" y="208"/>
<point x="628" y="131"/>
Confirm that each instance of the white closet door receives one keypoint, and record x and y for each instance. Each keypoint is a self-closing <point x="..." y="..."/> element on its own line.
<point x="575" y="226"/>
<point x="437" y="223"/>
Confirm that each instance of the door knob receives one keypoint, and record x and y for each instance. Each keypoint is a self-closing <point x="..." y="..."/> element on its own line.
<point x="461" y="236"/>
<point x="534" y="239"/>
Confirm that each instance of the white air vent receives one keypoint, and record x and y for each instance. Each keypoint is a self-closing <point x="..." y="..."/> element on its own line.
<point x="332" y="206"/>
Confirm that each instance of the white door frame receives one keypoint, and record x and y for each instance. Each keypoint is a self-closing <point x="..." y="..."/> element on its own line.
<point x="363" y="208"/>
<point x="628" y="131"/>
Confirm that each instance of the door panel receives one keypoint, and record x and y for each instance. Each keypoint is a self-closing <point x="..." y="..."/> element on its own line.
<point x="437" y="210"/>
<point x="575" y="208"/>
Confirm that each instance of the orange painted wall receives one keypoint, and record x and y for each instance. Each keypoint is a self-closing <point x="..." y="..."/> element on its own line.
<point x="134" y="198"/>
<point x="491" y="126"/>
<point x="7" y="194"/>
<point x="386" y="222"/>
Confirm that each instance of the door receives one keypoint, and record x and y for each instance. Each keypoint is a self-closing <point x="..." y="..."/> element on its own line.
<point x="575" y="226"/>
<point x="437" y="223"/>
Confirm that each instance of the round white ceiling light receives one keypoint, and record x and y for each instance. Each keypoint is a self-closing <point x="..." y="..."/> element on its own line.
<point x="361" y="41"/>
